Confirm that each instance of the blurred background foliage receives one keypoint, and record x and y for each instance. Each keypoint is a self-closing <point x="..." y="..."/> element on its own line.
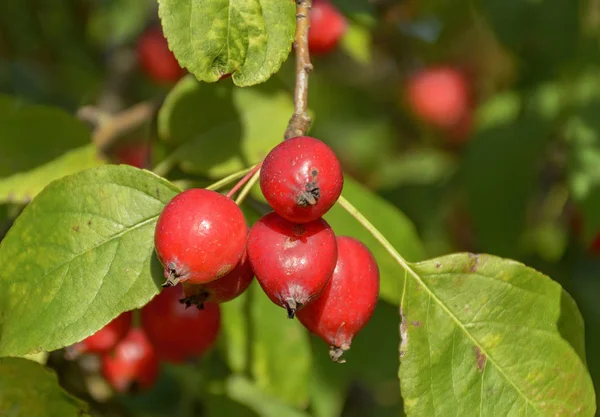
<point x="524" y="182"/>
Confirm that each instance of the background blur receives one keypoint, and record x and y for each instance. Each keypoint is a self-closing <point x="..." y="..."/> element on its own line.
<point x="520" y="178"/>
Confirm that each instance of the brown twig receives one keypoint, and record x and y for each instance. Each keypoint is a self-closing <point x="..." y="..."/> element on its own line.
<point x="109" y="128"/>
<point x="300" y="120"/>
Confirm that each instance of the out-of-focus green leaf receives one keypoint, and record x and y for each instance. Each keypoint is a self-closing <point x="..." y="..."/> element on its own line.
<point x="583" y="130"/>
<point x="500" y="171"/>
<point x="245" y="392"/>
<point x="215" y="37"/>
<point x="117" y="21"/>
<point x="81" y="253"/>
<point x="281" y="357"/>
<point x="399" y="230"/>
<point x="33" y="135"/>
<point x="23" y="186"/>
<point x="220" y="129"/>
<point x="28" y="389"/>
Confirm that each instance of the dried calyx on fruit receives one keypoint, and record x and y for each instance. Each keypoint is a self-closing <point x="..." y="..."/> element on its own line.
<point x="348" y="301"/>
<point x="221" y="290"/>
<point x="301" y="179"/>
<point x="292" y="262"/>
<point x="200" y="237"/>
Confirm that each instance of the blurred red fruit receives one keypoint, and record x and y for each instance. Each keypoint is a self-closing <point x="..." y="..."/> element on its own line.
<point x="134" y="154"/>
<point x="107" y="337"/>
<point x="133" y="364"/>
<point x="327" y="26"/>
<point x="156" y="59"/>
<point x="441" y="96"/>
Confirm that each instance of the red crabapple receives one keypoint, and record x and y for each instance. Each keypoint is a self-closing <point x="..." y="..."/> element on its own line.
<point x="200" y="236"/>
<point x="301" y="178"/>
<point x="440" y="96"/>
<point x="106" y="338"/>
<point x="156" y="59"/>
<point x="327" y="26"/>
<point x="292" y="262"/>
<point x="223" y="289"/>
<point x="179" y="333"/>
<point x="132" y="365"/>
<point x="348" y="301"/>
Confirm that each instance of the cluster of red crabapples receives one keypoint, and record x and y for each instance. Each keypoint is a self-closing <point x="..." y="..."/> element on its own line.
<point x="168" y="332"/>
<point x="330" y="283"/>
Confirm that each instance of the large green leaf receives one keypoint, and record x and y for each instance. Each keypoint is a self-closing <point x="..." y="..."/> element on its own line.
<point x="249" y="38"/>
<point x="27" y="389"/>
<point x="79" y="254"/>
<point x="32" y="135"/>
<point x="400" y="232"/>
<point x="23" y="186"/>
<point x="218" y="129"/>
<point x="485" y="336"/>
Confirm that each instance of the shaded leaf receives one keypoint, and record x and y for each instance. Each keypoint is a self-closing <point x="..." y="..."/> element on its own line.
<point x="245" y="392"/>
<point x="23" y="186"/>
<point x="80" y="254"/>
<point x="400" y="232"/>
<point x="248" y="38"/>
<point x="218" y="129"/>
<point x="28" y="389"/>
<point x="33" y="135"/>
<point x="483" y="335"/>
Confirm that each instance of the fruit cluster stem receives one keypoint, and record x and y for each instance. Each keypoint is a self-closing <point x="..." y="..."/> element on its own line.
<point x="300" y="120"/>
<point x="244" y="180"/>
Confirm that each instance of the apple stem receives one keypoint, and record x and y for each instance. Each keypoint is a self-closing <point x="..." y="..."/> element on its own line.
<point x="244" y="180"/>
<point x="300" y="120"/>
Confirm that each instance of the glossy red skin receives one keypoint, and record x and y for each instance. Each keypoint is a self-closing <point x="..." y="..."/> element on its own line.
<point x="223" y="289"/>
<point x="287" y="171"/>
<point x="156" y="59"/>
<point x="202" y="234"/>
<point x="134" y="154"/>
<point x="107" y="337"/>
<point x="133" y="364"/>
<point x="348" y="301"/>
<point x="179" y="333"/>
<point x="440" y="96"/>
<point x="292" y="263"/>
<point x="327" y="27"/>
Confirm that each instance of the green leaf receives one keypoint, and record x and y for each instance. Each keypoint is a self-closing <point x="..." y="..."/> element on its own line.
<point x="281" y="356"/>
<point x="234" y="333"/>
<point x="401" y="234"/>
<point x="117" y="21"/>
<point x="236" y="127"/>
<point x="28" y="389"/>
<point x="245" y="392"/>
<point x="500" y="172"/>
<point x="80" y="254"/>
<point x="33" y="135"/>
<point x="488" y="336"/>
<point x="583" y="130"/>
<point x="248" y="38"/>
<point x="22" y="187"/>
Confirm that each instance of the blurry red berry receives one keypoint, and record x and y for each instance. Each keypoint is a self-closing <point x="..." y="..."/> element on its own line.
<point x="440" y="96"/>
<point x="327" y="26"/>
<point x="301" y="178"/>
<point x="292" y="262"/>
<point x="349" y="299"/>
<point x="178" y="332"/>
<point x="107" y="337"/>
<point x="132" y="365"/>
<point x="134" y="154"/>
<point x="200" y="236"/>
<point x="156" y="59"/>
